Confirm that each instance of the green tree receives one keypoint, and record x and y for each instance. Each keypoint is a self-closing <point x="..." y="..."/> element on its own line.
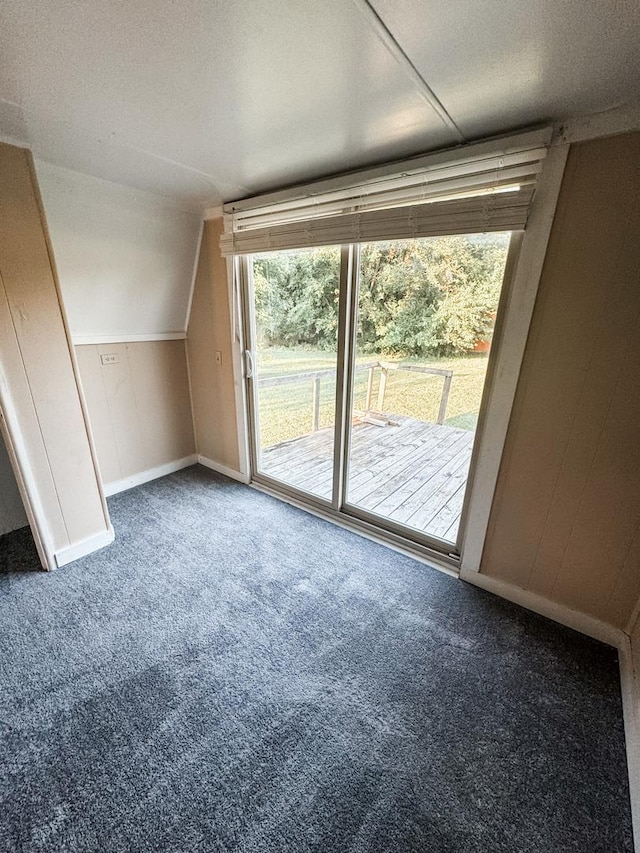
<point x="297" y="297"/>
<point x="420" y="297"/>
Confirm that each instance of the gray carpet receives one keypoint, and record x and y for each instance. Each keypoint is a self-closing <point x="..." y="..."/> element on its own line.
<point x="234" y="674"/>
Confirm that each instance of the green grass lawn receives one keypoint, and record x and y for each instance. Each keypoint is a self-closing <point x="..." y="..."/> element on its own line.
<point x="286" y="410"/>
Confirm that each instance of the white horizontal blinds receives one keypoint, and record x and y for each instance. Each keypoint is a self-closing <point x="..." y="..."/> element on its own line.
<point x="405" y="189"/>
<point x="499" y="212"/>
<point x="479" y="187"/>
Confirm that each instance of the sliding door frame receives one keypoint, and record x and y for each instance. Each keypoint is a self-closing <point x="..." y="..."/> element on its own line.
<point x="481" y="437"/>
<point x="394" y="535"/>
<point x="447" y="550"/>
<point x="338" y="506"/>
<point x="522" y="274"/>
<point x="347" y="300"/>
<point x="247" y="300"/>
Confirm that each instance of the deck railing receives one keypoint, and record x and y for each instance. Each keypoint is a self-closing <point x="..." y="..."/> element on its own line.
<point x="315" y="377"/>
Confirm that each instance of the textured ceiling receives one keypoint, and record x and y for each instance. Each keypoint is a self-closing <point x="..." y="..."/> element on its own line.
<point x="205" y="102"/>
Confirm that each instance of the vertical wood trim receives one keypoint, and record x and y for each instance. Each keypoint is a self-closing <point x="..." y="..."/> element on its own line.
<point x="444" y="399"/>
<point x="196" y="264"/>
<point x="234" y="285"/>
<point x="315" y="404"/>
<point x="499" y="397"/>
<point x="19" y="459"/>
<point x="369" y="397"/>
<point x="67" y="332"/>
<point x="194" y="273"/>
<point x="347" y="306"/>
<point x="25" y="437"/>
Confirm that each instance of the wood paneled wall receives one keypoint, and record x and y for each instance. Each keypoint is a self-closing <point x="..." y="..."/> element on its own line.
<point x="565" y="522"/>
<point x="38" y="375"/>
<point x="138" y="405"/>
<point x="213" y="391"/>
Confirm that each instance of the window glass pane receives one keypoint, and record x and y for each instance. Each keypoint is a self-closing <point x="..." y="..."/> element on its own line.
<point x="426" y="310"/>
<point x="296" y="313"/>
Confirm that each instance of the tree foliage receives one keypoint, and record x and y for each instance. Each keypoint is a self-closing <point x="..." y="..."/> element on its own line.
<point x="420" y="297"/>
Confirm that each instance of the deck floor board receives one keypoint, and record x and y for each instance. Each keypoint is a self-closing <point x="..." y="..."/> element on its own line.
<point x="413" y="473"/>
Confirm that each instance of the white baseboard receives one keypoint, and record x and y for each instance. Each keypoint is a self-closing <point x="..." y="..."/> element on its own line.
<point x="628" y="657"/>
<point x="630" y="686"/>
<point x="588" y="625"/>
<point x="223" y="469"/>
<point x="149" y="474"/>
<point x="84" y="547"/>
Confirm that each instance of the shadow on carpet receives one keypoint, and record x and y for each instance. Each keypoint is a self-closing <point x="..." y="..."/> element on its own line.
<point x="18" y="552"/>
<point x="233" y="674"/>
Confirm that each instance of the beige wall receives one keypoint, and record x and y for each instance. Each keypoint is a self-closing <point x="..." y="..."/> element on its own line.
<point x="40" y="392"/>
<point x="565" y="522"/>
<point x="125" y="258"/>
<point x="212" y="384"/>
<point x="635" y="637"/>
<point x="139" y="406"/>
<point x="12" y="514"/>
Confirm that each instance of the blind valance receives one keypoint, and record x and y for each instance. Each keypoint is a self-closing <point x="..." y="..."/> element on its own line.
<point x="475" y="188"/>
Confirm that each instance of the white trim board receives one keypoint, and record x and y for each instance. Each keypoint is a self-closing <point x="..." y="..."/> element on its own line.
<point x="630" y="686"/>
<point x="622" y="119"/>
<point x="169" y="468"/>
<point x="82" y="340"/>
<point x="223" y="469"/>
<point x="213" y="212"/>
<point x="499" y="394"/>
<point x="581" y="622"/>
<point x="384" y="34"/>
<point x="236" y="318"/>
<point x="84" y="547"/>
<point x="194" y="275"/>
<point x="148" y="475"/>
<point x="19" y="459"/>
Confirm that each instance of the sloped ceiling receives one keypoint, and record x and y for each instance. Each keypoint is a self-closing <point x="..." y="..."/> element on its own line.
<point x="206" y="102"/>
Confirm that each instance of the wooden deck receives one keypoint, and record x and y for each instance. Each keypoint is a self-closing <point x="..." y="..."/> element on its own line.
<point x="413" y="473"/>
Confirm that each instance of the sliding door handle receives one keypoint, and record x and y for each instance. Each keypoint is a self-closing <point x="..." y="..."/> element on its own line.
<point x="249" y="365"/>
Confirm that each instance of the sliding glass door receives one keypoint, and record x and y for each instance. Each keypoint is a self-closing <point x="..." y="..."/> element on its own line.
<point x="294" y="302"/>
<point x="423" y="328"/>
<point x="366" y="368"/>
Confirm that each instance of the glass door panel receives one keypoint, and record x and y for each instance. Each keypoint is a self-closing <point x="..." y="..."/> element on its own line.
<point x="425" y="315"/>
<point x="295" y="309"/>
